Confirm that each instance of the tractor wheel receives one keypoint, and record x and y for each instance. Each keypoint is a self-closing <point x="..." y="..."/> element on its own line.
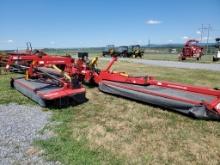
<point x="214" y="59"/>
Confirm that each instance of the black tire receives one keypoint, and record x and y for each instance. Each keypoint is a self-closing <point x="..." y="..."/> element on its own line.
<point x="214" y="59"/>
<point x="12" y="83"/>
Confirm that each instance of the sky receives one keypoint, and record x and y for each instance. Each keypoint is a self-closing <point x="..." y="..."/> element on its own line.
<point x="92" y="23"/>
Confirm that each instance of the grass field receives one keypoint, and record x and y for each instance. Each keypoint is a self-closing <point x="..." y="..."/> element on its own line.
<point x="112" y="130"/>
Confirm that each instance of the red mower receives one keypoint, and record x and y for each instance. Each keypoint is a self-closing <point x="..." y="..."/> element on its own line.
<point x="198" y="102"/>
<point x="51" y="81"/>
<point x="57" y="80"/>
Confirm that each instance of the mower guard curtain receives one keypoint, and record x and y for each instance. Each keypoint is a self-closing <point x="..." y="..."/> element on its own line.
<point x="196" y="111"/>
<point x="30" y="88"/>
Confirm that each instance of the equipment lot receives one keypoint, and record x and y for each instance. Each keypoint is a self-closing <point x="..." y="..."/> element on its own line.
<point x="112" y="130"/>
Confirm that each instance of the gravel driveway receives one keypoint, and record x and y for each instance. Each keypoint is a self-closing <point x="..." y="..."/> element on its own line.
<point x="175" y="64"/>
<point x="19" y="126"/>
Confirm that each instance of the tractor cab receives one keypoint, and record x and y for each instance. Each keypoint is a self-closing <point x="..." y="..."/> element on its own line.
<point x="122" y="51"/>
<point x="109" y="50"/>
<point x="108" y="47"/>
<point x="136" y="51"/>
<point x="133" y="47"/>
<point x="82" y="61"/>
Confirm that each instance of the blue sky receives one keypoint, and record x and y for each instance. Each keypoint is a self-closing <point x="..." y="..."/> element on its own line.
<point x="88" y="23"/>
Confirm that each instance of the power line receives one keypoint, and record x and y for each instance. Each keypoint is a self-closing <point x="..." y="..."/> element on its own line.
<point x="202" y="31"/>
<point x="207" y="41"/>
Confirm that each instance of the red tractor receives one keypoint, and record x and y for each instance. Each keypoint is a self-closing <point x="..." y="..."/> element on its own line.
<point x="191" y="49"/>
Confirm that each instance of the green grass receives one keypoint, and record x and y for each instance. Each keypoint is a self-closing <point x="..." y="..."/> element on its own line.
<point x="113" y="130"/>
<point x="69" y="150"/>
<point x="8" y="94"/>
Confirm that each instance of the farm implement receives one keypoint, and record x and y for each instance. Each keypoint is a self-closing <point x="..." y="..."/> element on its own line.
<point x="57" y="80"/>
<point x="20" y="61"/>
<point x="51" y="81"/>
<point x="198" y="102"/>
<point x="191" y="49"/>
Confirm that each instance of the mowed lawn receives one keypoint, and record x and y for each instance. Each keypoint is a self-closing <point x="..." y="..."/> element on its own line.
<point x="112" y="130"/>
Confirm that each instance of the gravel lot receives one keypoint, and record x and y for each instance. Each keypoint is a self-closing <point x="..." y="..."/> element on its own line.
<point x="19" y="126"/>
<point x="174" y="64"/>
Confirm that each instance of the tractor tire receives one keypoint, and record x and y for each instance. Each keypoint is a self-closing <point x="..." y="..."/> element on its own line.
<point x="214" y="59"/>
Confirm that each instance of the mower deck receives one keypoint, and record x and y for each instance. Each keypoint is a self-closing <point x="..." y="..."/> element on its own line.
<point x="48" y="94"/>
<point x="186" y="102"/>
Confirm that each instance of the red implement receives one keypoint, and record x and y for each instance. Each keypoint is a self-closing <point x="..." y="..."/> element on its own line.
<point x="191" y="49"/>
<point x="199" y="102"/>
<point x="51" y="81"/>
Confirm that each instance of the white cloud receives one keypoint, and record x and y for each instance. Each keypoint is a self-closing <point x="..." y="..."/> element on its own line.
<point x="185" y="37"/>
<point x="153" y="22"/>
<point x="170" y="40"/>
<point x="198" y="32"/>
<point x="10" y="41"/>
<point x="52" y="42"/>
